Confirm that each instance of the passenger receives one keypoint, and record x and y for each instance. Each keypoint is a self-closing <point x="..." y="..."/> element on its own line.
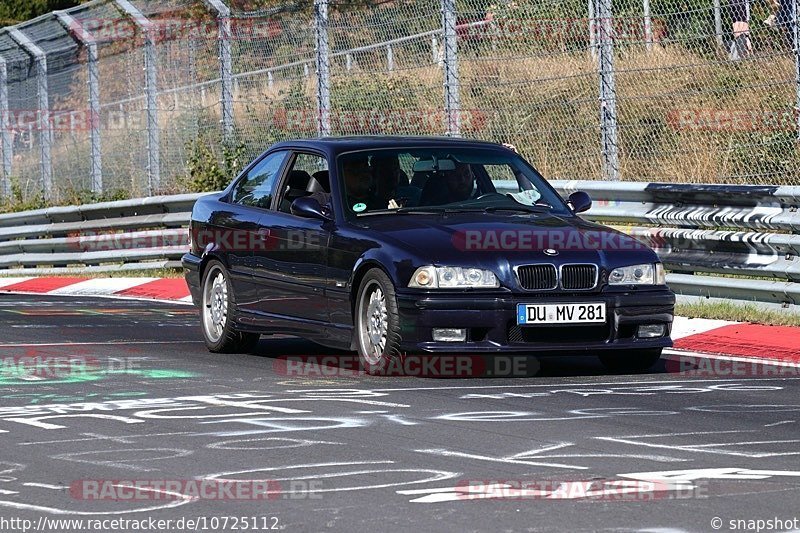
<point x="455" y="186"/>
<point x="388" y="177"/>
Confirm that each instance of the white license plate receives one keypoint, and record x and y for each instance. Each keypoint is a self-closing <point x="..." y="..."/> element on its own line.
<point x="586" y="313"/>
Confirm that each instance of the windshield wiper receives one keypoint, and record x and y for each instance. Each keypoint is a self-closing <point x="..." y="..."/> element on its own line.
<point x="524" y="208"/>
<point x="405" y="211"/>
<point x="421" y="210"/>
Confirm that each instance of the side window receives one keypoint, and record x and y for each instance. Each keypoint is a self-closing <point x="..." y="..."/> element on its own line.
<point x="308" y="175"/>
<point x="256" y="188"/>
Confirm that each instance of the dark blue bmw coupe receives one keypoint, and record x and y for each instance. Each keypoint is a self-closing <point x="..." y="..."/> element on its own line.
<point x="397" y="245"/>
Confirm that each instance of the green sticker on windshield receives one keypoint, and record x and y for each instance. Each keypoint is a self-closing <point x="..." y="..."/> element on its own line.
<point x="359" y="207"/>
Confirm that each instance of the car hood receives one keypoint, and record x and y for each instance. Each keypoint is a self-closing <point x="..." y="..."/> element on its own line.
<point x="504" y="240"/>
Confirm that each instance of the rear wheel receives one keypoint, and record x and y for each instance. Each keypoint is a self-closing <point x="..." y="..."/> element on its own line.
<point x="217" y="311"/>
<point x="631" y="360"/>
<point x="377" y="323"/>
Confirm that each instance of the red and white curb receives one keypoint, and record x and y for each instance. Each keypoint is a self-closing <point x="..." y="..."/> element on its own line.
<point x="706" y="338"/>
<point x="165" y="289"/>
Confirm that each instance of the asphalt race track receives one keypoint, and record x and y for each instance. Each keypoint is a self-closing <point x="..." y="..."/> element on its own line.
<point x="568" y="448"/>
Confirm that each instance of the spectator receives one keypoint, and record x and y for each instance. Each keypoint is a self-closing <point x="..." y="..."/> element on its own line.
<point x="741" y="47"/>
<point x="783" y="19"/>
<point x="772" y="20"/>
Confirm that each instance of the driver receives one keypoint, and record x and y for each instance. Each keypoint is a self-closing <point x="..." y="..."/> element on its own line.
<point x="358" y="183"/>
<point x="456" y="186"/>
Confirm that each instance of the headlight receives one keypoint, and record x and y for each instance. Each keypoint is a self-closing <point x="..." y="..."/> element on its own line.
<point x="431" y="277"/>
<point x="648" y="274"/>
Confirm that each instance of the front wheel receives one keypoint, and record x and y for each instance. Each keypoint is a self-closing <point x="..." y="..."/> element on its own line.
<point x="377" y="323"/>
<point x="217" y="313"/>
<point x="631" y="360"/>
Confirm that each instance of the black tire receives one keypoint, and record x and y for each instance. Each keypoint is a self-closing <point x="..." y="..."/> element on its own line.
<point x="377" y="358"/>
<point x="217" y="309"/>
<point x="627" y="361"/>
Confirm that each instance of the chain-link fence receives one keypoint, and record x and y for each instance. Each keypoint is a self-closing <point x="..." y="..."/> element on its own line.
<point x="144" y="96"/>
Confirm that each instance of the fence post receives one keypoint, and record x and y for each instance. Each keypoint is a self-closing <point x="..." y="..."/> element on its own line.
<point x="323" y="68"/>
<point x="151" y="90"/>
<point x="452" y="99"/>
<point x="648" y="25"/>
<point x="608" y="91"/>
<point x="389" y="58"/>
<point x="225" y="64"/>
<point x="44" y="124"/>
<point x="85" y="38"/>
<point x="718" y="23"/>
<point x="5" y="184"/>
<point x="796" y="51"/>
<point x="592" y="30"/>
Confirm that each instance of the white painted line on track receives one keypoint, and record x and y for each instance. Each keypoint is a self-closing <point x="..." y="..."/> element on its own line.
<point x="45" y="486"/>
<point x="585" y="384"/>
<point x="109" y="343"/>
<point x="779" y="423"/>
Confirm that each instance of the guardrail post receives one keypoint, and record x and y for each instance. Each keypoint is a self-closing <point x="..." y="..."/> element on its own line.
<point x="323" y="68"/>
<point x="5" y="133"/>
<point x="43" y="113"/>
<point x="796" y="51"/>
<point x="608" y="91"/>
<point x="86" y="39"/>
<point x="452" y="99"/>
<point x="151" y="90"/>
<point x="225" y="64"/>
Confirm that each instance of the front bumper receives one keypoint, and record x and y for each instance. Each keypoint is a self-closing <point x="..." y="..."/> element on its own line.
<point x="491" y="323"/>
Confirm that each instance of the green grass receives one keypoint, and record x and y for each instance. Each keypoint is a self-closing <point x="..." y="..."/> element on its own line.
<point x="737" y="313"/>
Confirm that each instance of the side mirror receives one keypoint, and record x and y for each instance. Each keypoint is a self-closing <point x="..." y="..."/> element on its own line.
<point x="579" y="202"/>
<point x="307" y="207"/>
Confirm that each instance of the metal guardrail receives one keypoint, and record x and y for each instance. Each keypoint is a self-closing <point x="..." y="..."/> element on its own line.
<point x="696" y="229"/>
<point x="724" y="230"/>
<point x="145" y="233"/>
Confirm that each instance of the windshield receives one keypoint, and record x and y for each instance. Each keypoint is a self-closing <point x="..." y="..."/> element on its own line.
<point x="442" y="180"/>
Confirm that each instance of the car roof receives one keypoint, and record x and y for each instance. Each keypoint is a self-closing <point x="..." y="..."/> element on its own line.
<point x="337" y="145"/>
